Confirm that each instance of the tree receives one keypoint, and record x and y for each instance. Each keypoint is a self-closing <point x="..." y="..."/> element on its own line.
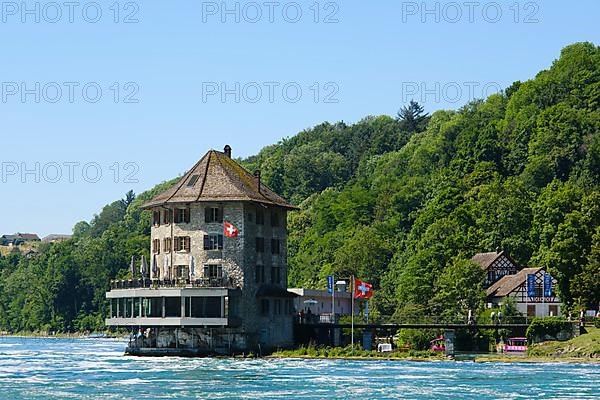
<point x="412" y="117"/>
<point x="459" y="289"/>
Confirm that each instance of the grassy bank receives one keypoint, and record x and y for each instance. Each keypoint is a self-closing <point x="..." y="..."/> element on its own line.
<point x="584" y="348"/>
<point x="347" y="353"/>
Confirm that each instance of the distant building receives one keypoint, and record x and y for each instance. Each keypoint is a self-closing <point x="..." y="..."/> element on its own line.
<point x="31" y="254"/>
<point x="207" y="292"/>
<point x="515" y="287"/>
<point x="18" y="239"/>
<point x="496" y="265"/>
<point x="53" y="238"/>
<point x="319" y="302"/>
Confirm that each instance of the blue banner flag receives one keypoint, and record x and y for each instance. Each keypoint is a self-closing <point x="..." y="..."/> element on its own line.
<point x="547" y="285"/>
<point x="330" y="283"/>
<point x="531" y="285"/>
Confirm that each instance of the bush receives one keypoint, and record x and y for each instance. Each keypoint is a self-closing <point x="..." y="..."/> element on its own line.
<point x="597" y="322"/>
<point x="547" y="326"/>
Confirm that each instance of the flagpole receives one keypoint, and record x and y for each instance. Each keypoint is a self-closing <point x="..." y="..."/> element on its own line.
<point x="332" y="298"/>
<point x="352" y="294"/>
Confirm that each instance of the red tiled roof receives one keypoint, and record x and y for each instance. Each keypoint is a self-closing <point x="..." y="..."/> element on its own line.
<point x="217" y="177"/>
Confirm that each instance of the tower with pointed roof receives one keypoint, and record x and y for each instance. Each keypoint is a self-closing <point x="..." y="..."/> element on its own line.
<point x="213" y="289"/>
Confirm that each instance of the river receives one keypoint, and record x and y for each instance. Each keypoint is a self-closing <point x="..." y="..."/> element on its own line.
<point x="38" y="368"/>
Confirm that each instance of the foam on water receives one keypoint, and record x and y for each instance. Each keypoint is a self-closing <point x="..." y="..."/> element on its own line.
<point x="96" y="369"/>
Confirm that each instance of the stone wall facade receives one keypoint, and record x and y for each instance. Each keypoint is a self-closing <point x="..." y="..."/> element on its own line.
<point x="267" y="324"/>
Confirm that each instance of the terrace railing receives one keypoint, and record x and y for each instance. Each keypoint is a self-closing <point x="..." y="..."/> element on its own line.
<point x="171" y="283"/>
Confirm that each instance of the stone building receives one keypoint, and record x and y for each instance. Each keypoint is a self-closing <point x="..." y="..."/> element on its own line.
<point x="217" y="277"/>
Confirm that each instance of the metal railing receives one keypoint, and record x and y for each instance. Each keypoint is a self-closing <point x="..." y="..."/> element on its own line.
<point x="171" y="283"/>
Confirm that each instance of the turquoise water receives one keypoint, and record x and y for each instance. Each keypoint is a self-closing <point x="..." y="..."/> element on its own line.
<point x="35" y="368"/>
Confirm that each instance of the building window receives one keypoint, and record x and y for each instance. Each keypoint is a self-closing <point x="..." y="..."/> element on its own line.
<point x="167" y="216"/>
<point x="259" y="274"/>
<point x="182" y="243"/>
<point x="213" y="242"/>
<point x="156" y="218"/>
<point x="275" y="275"/>
<point x="152" y="307"/>
<point x="182" y="215"/>
<point x="203" y="307"/>
<point x="213" y="214"/>
<point x="277" y="306"/>
<point x="181" y="271"/>
<point x="275" y="246"/>
<point x="167" y="245"/>
<point x="274" y="218"/>
<point x="260" y="217"/>
<point x="531" y="310"/>
<point x="213" y="271"/>
<point x="553" y="310"/>
<point x="172" y="306"/>
<point x="250" y="217"/>
<point x="260" y="245"/>
<point x="193" y="180"/>
<point x="264" y="307"/>
<point x="156" y="246"/>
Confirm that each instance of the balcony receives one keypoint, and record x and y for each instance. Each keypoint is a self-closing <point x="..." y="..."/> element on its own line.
<point x="171" y="283"/>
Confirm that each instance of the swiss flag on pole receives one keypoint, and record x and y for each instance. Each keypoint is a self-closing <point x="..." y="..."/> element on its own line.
<point x="362" y="290"/>
<point x="230" y="230"/>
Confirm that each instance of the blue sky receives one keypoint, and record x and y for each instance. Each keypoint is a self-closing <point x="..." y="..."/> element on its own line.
<point x="175" y="60"/>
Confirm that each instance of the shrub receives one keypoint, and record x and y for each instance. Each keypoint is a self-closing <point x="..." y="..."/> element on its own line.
<point x="551" y="326"/>
<point x="597" y="322"/>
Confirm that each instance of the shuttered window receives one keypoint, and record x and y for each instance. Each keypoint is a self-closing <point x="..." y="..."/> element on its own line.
<point x="156" y="246"/>
<point x="182" y="243"/>
<point x="167" y="245"/>
<point x="275" y="246"/>
<point x="259" y="274"/>
<point x="182" y="215"/>
<point x="156" y="218"/>
<point x="274" y="219"/>
<point x="275" y="275"/>
<point x="260" y="217"/>
<point x="213" y="214"/>
<point x="213" y="242"/>
<point x="260" y="245"/>
<point x="167" y="216"/>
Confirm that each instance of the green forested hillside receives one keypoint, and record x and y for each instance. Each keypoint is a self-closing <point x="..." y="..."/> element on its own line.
<point x="401" y="202"/>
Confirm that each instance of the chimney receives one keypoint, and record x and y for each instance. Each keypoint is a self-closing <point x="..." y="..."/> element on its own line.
<point x="257" y="179"/>
<point x="227" y="150"/>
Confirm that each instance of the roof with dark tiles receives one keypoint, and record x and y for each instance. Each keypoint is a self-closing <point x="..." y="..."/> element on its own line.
<point x="508" y="283"/>
<point x="217" y="177"/>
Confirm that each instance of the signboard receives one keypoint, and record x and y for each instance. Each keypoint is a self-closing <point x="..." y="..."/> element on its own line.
<point x="531" y="285"/>
<point x="547" y="285"/>
<point x="330" y="284"/>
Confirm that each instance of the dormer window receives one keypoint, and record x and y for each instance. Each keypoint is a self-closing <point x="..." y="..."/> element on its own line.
<point x="193" y="180"/>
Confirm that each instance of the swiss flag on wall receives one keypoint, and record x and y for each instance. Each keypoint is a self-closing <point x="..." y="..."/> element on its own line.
<point x="362" y="290"/>
<point x="230" y="230"/>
